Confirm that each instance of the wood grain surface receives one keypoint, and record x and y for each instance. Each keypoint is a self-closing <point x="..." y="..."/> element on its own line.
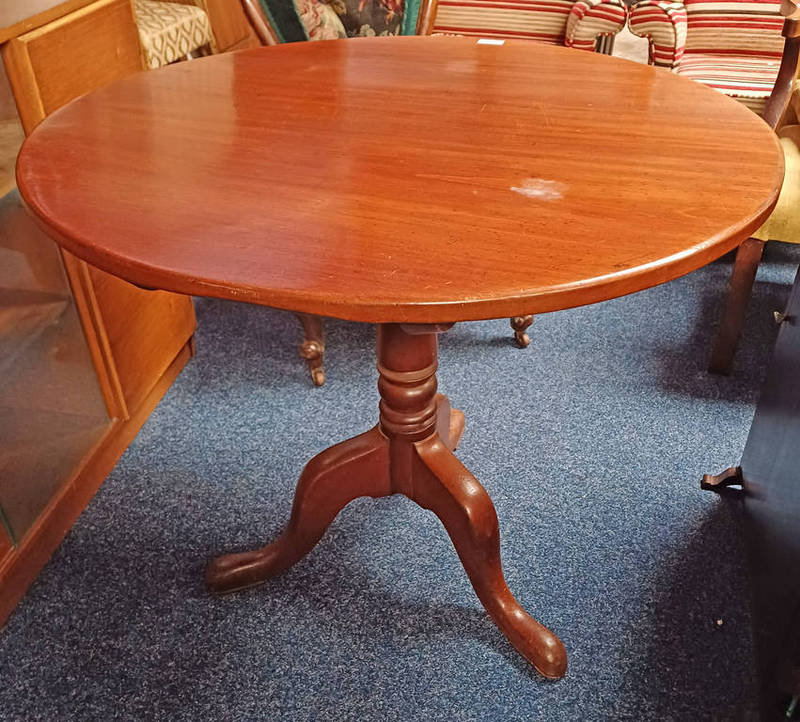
<point x="411" y="179"/>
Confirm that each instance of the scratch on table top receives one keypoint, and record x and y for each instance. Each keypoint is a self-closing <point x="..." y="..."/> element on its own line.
<point x="545" y="190"/>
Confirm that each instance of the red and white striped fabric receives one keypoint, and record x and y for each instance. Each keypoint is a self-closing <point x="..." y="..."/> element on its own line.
<point x="590" y="19"/>
<point x="733" y="46"/>
<point x="545" y="21"/>
<point x="664" y="24"/>
<point x="747" y="78"/>
<point x="737" y="27"/>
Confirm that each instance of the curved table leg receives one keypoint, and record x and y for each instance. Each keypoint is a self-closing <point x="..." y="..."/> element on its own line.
<point x="446" y="487"/>
<point x="354" y="468"/>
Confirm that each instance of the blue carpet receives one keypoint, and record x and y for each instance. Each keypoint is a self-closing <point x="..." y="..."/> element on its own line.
<point x="591" y="443"/>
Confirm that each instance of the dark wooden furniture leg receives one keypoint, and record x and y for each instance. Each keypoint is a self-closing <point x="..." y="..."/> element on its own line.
<point x="409" y="452"/>
<point x="520" y="325"/>
<point x="313" y="347"/>
<point x="741" y="286"/>
<point x="730" y="477"/>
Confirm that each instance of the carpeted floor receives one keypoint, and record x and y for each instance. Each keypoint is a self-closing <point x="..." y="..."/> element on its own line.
<point x="591" y="443"/>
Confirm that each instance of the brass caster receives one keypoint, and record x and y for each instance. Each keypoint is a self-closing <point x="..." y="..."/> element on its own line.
<point x="520" y="325"/>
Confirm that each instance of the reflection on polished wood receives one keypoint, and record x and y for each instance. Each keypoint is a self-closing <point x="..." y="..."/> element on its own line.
<point x="476" y="188"/>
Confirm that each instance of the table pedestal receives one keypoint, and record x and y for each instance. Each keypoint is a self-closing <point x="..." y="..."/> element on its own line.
<point x="409" y="452"/>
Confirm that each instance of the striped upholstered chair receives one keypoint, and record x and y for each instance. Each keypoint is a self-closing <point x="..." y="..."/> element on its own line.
<point x="582" y="24"/>
<point x="782" y="112"/>
<point x="734" y="46"/>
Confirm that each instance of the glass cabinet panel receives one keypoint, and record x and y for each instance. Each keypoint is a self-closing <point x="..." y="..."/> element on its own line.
<point x="51" y="409"/>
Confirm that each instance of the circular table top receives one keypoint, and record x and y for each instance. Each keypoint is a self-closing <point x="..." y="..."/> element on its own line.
<point x="409" y="179"/>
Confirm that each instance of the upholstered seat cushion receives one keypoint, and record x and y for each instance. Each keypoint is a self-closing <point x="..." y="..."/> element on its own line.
<point x="784" y="223"/>
<point x="749" y="79"/>
<point x="170" y="31"/>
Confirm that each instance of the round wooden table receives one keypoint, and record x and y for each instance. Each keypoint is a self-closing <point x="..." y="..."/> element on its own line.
<point x="411" y="183"/>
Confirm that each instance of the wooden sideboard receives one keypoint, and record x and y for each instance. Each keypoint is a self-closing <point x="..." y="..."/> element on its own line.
<point x="88" y="355"/>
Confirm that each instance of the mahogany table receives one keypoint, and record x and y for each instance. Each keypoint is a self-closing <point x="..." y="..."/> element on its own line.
<point x="411" y="183"/>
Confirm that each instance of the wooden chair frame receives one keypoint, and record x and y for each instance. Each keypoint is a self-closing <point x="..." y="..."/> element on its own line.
<point x="780" y="110"/>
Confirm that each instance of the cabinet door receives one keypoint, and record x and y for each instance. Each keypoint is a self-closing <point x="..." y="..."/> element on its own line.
<point x="145" y="330"/>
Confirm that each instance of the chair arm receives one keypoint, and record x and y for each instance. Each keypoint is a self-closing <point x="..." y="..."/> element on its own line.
<point x="590" y="19"/>
<point x="664" y="25"/>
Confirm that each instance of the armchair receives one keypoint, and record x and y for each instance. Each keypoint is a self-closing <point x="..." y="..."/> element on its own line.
<point x="781" y="112"/>
<point x="733" y="46"/>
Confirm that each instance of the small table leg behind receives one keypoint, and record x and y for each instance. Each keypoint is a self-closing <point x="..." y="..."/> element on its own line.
<point x="313" y="347"/>
<point x="409" y="452"/>
<point x="520" y="325"/>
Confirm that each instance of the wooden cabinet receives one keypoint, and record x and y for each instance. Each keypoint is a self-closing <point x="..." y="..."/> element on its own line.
<point x="87" y="355"/>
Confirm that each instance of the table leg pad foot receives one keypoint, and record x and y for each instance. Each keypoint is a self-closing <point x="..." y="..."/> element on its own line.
<point x="232" y="572"/>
